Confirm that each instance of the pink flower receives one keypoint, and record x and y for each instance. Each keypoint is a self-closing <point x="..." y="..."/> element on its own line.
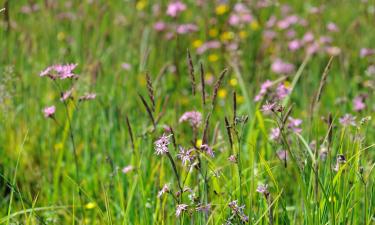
<point x="127" y="169"/>
<point x="281" y="67"/>
<point x="49" y="112"/>
<point x="186" y="28"/>
<point x="268" y="107"/>
<point x="366" y="52"/>
<point x="186" y="156"/>
<point x="358" y="103"/>
<point x="282" y="91"/>
<point x="294" y="125"/>
<point x="66" y="95"/>
<point x="294" y="45"/>
<point x="180" y="208"/>
<point x="332" y="27"/>
<point x="160" y="26"/>
<point x="193" y="117"/>
<point x="126" y="66"/>
<point x="232" y="159"/>
<point x="208" y="150"/>
<point x="282" y="155"/>
<point x="87" y="97"/>
<point x="161" y="145"/>
<point x="60" y="71"/>
<point x="347" y="120"/>
<point x="175" y="8"/>
<point x="263" y="90"/>
<point x="308" y="37"/>
<point x="208" y="45"/>
<point x="275" y="133"/>
<point x="164" y="190"/>
<point x="333" y="50"/>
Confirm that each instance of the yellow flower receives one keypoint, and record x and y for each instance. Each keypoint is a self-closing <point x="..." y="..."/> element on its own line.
<point x="226" y="36"/>
<point x="61" y="36"/>
<point x="287" y="84"/>
<point x="254" y="25"/>
<point x="221" y="9"/>
<point x="141" y="5"/>
<point x="243" y="34"/>
<point x="198" y="143"/>
<point x="222" y="93"/>
<point x="213" y="32"/>
<point x="233" y="82"/>
<point x="240" y="99"/>
<point x="197" y="43"/>
<point x="213" y="57"/>
<point x="90" y="205"/>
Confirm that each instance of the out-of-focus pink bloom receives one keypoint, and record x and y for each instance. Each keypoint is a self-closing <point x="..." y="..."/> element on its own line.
<point x="287" y="22"/>
<point x="49" y="112"/>
<point x="186" y="28"/>
<point x="275" y="133"/>
<point x="365" y="52"/>
<point x="312" y="48"/>
<point x="290" y="33"/>
<point x="208" y="45"/>
<point x="332" y="27"/>
<point x="240" y="15"/>
<point x="281" y="67"/>
<point x="232" y="159"/>
<point x="160" y="26"/>
<point x="87" y="97"/>
<point x="282" y="155"/>
<point x="186" y="156"/>
<point x="333" y="50"/>
<point x="282" y="91"/>
<point x="308" y="37"/>
<point x="127" y="169"/>
<point x="180" y="208"/>
<point x="271" y="21"/>
<point x="164" y="190"/>
<point x="208" y="150"/>
<point x="203" y="208"/>
<point x="66" y="95"/>
<point x="358" y="103"/>
<point x="263" y="90"/>
<point x="294" y="125"/>
<point x="269" y="34"/>
<point x="193" y="117"/>
<point x="268" y="107"/>
<point x="175" y="8"/>
<point x="263" y="189"/>
<point x="126" y="66"/>
<point x="325" y="40"/>
<point x="347" y="120"/>
<point x="294" y="45"/>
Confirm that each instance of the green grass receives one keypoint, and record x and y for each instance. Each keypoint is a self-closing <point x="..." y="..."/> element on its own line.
<point x="38" y="178"/>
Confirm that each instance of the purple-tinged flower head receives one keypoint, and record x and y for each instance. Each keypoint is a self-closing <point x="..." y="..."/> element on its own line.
<point x="203" y="208"/>
<point x="186" y="156"/>
<point x="193" y="117"/>
<point x="281" y="67"/>
<point x="164" y="190"/>
<point x="358" y="103"/>
<point x="291" y="33"/>
<point x="263" y="90"/>
<point x="332" y="27"/>
<point x="365" y="52"/>
<point x="240" y="15"/>
<point x="287" y="22"/>
<point x="175" y="8"/>
<point x="161" y="145"/>
<point x="275" y="133"/>
<point x="294" y="45"/>
<point x="238" y="210"/>
<point x="87" y="97"/>
<point x="160" y="26"/>
<point x="49" y="112"/>
<point x="263" y="189"/>
<point x="282" y="155"/>
<point x="232" y="159"/>
<point x="126" y="66"/>
<point x="312" y="48"/>
<point x="208" y="45"/>
<point x="60" y="71"/>
<point x="347" y="120"/>
<point x="271" y="21"/>
<point x="268" y="107"/>
<point x="325" y="40"/>
<point x="294" y="125"/>
<point x="180" y="209"/>
<point x="308" y="37"/>
<point x="127" y="169"/>
<point x="66" y="95"/>
<point x="333" y="50"/>
<point x="208" y="150"/>
<point x="282" y="91"/>
<point x="186" y="28"/>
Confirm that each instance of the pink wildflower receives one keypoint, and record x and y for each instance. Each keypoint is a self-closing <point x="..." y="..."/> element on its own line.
<point x="87" y="97"/>
<point x="164" y="190"/>
<point x="347" y="120"/>
<point x="49" y="112"/>
<point x="175" y="8"/>
<point x="193" y="117"/>
<point x="281" y="67"/>
<point x="180" y="208"/>
<point x="127" y="169"/>
<point x="161" y="145"/>
<point x="358" y="103"/>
